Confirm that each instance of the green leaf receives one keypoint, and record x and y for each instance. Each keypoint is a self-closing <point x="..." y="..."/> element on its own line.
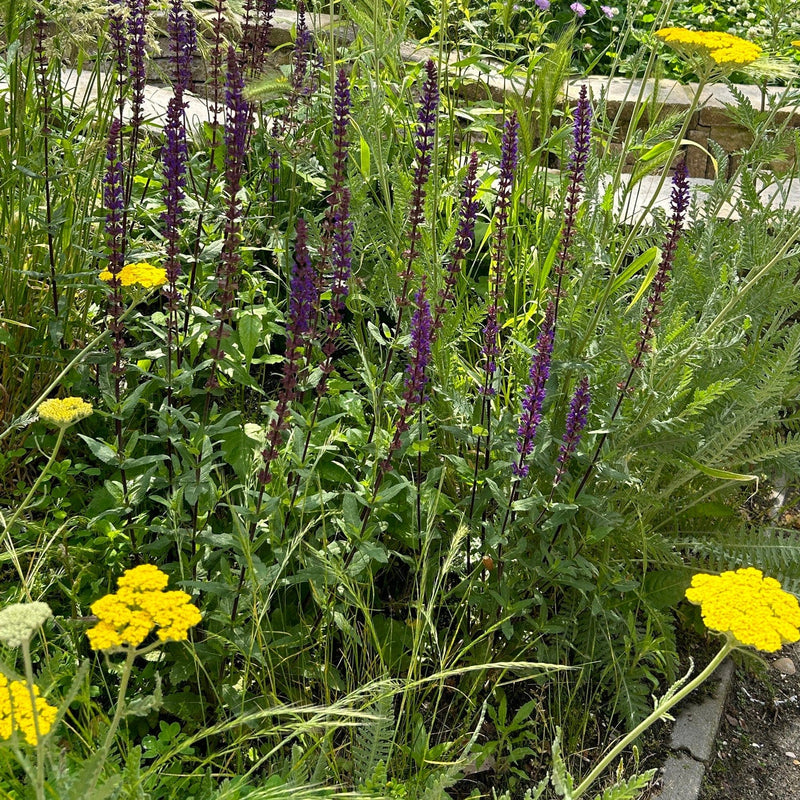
<point x="100" y="450"/>
<point x="365" y="160"/>
<point x="651" y="254"/>
<point x="722" y="474"/>
<point x="249" y="330"/>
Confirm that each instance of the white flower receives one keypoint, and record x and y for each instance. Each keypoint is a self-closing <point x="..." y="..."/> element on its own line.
<point x="19" y="621"/>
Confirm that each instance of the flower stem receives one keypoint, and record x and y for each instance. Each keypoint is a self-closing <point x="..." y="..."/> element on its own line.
<point x="40" y="749"/>
<point x="660" y="710"/>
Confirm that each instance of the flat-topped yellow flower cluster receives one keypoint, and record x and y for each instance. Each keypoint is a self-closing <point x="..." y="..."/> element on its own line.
<point x="140" y="273"/>
<point x="724" y="49"/>
<point x="64" y="412"/>
<point x="752" y="608"/>
<point x="17" y="711"/>
<point x="139" y="606"/>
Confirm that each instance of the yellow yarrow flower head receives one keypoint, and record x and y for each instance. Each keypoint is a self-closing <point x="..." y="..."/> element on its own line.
<point x="19" y="621"/>
<point x="20" y="712"/>
<point x="714" y="53"/>
<point x="140" y="606"/>
<point x="141" y="273"/>
<point x="65" y="412"/>
<point x="751" y="608"/>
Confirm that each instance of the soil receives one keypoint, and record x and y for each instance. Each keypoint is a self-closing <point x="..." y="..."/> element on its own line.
<point x="758" y="746"/>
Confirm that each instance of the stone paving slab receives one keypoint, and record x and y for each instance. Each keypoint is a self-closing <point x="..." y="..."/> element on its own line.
<point x="681" y="778"/>
<point x="693" y="740"/>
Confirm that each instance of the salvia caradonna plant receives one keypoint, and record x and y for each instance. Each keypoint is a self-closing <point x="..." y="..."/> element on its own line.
<point x="317" y="454"/>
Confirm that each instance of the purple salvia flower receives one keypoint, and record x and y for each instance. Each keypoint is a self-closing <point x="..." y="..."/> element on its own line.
<point x="303" y="302"/>
<point x="302" y="49"/>
<point x="679" y="204"/>
<point x="509" y="156"/>
<point x="183" y="35"/>
<point x="137" y="24"/>
<point x="249" y="34"/>
<point x="416" y="378"/>
<point x="266" y="11"/>
<point x="465" y="235"/>
<point x="421" y="331"/>
<point x="340" y="124"/>
<point x="535" y="392"/>
<point x="114" y="233"/>
<point x="423" y="144"/>
<point x="581" y="137"/>
<point x="216" y="66"/>
<point x="237" y="120"/>
<point x="303" y="295"/>
<point x="119" y="43"/>
<point x="341" y="259"/>
<point x="576" y="422"/>
<point x="174" y="157"/>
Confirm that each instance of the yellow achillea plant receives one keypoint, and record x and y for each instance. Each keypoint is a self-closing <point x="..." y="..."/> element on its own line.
<point x="751" y="608"/>
<point x="139" y="606"/>
<point x="724" y="52"/>
<point x="141" y="273"/>
<point x="17" y="711"/>
<point x="65" y="412"/>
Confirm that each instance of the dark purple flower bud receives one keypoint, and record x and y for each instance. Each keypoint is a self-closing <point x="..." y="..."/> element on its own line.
<point x="465" y="234"/>
<point x="237" y="120"/>
<point x="576" y="422"/>
<point x="535" y="392"/>
<point x="679" y="202"/>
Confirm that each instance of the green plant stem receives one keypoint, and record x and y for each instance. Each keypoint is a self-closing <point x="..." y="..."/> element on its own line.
<point x="21" y="507"/>
<point x="40" y="750"/>
<point x="660" y="710"/>
<point x="112" y="729"/>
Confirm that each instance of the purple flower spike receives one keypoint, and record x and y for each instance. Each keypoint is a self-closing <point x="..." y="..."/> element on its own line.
<point x="581" y="135"/>
<point x="535" y="392"/>
<point x="341" y="122"/>
<point x="416" y="378"/>
<point x="174" y="157"/>
<point x="183" y="34"/>
<point x="421" y="330"/>
<point x="303" y="295"/>
<point x="509" y="154"/>
<point x="576" y="422"/>
<point x="679" y="203"/>
<point x="465" y="235"/>
<point x="137" y="24"/>
<point x="423" y="143"/>
<point x="115" y="234"/>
